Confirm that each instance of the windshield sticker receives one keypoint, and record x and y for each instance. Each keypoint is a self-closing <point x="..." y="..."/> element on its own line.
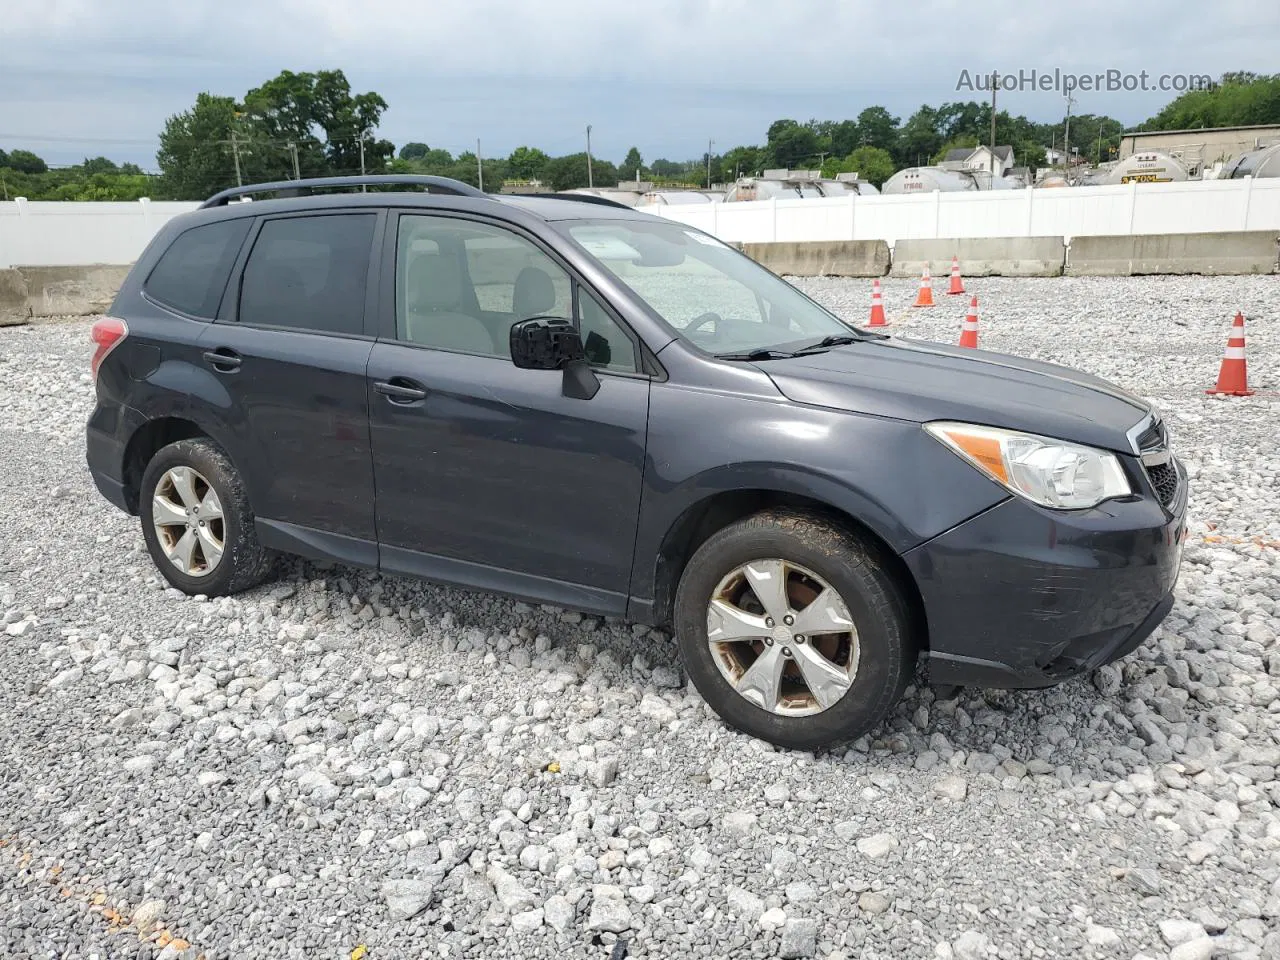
<point x="604" y="247"/>
<point x="703" y="239"/>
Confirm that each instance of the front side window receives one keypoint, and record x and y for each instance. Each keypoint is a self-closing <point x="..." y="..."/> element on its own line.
<point x="711" y="295"/>
<point x="460" y="285"/>
<point x="309" y="273"/>
<point x="191" y="275"/>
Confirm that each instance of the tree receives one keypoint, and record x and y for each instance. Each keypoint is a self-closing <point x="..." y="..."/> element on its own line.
<point x="195" y="154"/>
<point x="24" y="161"/>
<point x="570" y="172"/>
<point x="1239" y="98"/>
<point x="919" y="139"/>
<point x="526" y="163"/>
<point x="791" y="144"/>
<point x="869" y="163"/>
<point x="878" y="128"/>
<point x="633" y="162"/>
<point x="413" y="151"/>
<point x="99" y="165"/>
<point x="4" y="159"/>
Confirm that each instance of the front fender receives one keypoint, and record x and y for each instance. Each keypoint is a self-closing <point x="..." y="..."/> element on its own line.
<point x="888" y="475"/>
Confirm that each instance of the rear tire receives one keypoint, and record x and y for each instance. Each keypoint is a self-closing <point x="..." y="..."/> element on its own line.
<point x="837" y="683"/>
<point x="213" y="553"/>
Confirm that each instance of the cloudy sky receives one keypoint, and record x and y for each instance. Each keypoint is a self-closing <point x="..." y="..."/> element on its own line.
<point x="94" y="77"/>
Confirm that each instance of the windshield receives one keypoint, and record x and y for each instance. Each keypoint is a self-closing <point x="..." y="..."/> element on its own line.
<point x="713" y="296"/>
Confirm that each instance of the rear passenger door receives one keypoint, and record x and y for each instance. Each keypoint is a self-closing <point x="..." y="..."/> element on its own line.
<point x="488" y="474"/>
<point x="291" y="349"/>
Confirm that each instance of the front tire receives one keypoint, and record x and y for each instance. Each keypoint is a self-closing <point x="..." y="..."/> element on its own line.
<point x="197" y="521"/>
<point x="793" y="631"/>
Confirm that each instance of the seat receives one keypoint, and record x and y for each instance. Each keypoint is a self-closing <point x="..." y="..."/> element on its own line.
<point x="534" y="294"/>
<point x="433" y="318"/>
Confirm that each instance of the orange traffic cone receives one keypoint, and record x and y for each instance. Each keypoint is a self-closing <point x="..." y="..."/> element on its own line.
<point x="969" y="331"/>
<point x="877" y="306"/>
<point x="925" y="297"/>
<point x="957" y="284"/>
<point x="1233" y="375"/>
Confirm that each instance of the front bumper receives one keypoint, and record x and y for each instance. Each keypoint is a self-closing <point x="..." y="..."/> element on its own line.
<point x="1020" y="596"/>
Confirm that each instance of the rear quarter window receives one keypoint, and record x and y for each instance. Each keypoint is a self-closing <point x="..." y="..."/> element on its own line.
<point x="191" y="275"/>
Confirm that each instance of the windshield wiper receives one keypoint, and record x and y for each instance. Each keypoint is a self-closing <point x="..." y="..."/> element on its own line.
<point x="761" y="354"/>
<point x="834" y="340"/>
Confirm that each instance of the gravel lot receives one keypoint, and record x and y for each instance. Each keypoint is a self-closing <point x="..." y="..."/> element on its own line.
<point x="338" y="759"/>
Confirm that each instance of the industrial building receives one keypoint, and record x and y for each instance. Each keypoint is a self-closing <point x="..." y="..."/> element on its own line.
<point x="1201" y="149"/>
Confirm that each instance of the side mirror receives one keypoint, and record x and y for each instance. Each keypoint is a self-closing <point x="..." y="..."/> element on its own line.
<point x="551" y="343"/>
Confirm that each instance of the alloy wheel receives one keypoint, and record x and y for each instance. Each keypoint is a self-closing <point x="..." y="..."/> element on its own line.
<point x="782" y="637"/>
<point x="188" y="520"/>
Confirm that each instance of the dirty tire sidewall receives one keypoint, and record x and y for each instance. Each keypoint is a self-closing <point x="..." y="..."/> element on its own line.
<point x="855" y="569"/>
<point x="245" y="562"/>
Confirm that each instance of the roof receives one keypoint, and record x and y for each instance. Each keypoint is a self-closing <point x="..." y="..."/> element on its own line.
<point x="1003" y="152"/>
<point x="1161" y="133"/>
<point x="431" y="192"/>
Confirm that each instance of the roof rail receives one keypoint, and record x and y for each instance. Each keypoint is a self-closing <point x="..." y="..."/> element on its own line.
<point x="299" y="188"/>
<point x="579" y="197"/>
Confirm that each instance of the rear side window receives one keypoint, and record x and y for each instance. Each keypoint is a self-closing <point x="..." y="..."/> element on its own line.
<point x="309" y="273"/>
<point x="191" y="275"/>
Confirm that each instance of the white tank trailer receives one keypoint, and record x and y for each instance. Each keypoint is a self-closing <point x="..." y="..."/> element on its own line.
<point x="1255" y="163"/>
<point x="929" y="179"/>
<point x="1148" y="166"/>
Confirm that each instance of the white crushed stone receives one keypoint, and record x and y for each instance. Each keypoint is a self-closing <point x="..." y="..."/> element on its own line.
<point x="339" y="758"/>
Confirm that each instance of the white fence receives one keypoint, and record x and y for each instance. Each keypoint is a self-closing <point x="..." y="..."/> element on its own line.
<point x="1207" y="206"/>
<point x="40" y="234"/>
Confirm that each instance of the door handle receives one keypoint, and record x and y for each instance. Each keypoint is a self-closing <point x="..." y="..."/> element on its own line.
<point x="400" y="390"/>
<point x="223" y="360"/>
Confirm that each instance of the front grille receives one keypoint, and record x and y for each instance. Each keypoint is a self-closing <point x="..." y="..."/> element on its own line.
<point x="1164" y="480"/>
<point x="1162" y="470"/>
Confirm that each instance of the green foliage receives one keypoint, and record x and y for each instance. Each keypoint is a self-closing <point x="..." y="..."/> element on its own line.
<point x="526" y="163"/>
<point x="413" y="151"/>
<point x="196" y="149"/>
<point x="568" y="173"/>
<point x="877" y="128"/>
<point x="79" y="183"/>
<point x="1238" y="99"/>
<point x="632" y="162"/>
<point x="791" y="144"/>
<point x="312" y="120"/>
<point x="24" y="161"/>
<point x="869" y="163"/>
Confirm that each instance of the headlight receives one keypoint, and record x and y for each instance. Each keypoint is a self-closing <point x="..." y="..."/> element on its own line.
<point x="1052" y="473"/>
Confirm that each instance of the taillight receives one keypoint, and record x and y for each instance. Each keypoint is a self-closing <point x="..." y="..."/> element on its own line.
<point x="107" y="333"/>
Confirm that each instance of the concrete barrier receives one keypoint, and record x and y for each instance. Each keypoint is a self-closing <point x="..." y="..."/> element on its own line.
<point x="823" y="258"/>
<point x="981" y="257"/>
<point x="27" y="292"/>
<point x="13" y="299"/>
<point x="1203" y="253"/>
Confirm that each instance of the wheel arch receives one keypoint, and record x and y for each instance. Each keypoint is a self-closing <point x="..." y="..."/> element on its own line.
<point x="703" y="518"/>
<point x="146" y="441"/>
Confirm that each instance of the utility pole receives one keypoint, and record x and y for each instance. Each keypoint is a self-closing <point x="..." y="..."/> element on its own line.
<point x="1097" y="158"/>
<point x="293" y="150"/>
<point x="710" y="143"/>
<point x="235" y="153"/>
<point x="590" y="180"/>
<point x="363" y="188"/>
<point x="479" y="165"/>
<point x="995" y="82"/>
<point x="1066" y="141"/>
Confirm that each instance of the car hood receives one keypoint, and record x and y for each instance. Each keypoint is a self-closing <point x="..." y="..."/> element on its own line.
<point x="910" y="380"/>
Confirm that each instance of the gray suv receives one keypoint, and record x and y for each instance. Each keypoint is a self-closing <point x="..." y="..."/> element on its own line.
<point x="579" y="404"/>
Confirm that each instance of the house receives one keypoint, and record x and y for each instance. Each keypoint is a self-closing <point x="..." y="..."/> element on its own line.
<point x="980" y="158"/>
